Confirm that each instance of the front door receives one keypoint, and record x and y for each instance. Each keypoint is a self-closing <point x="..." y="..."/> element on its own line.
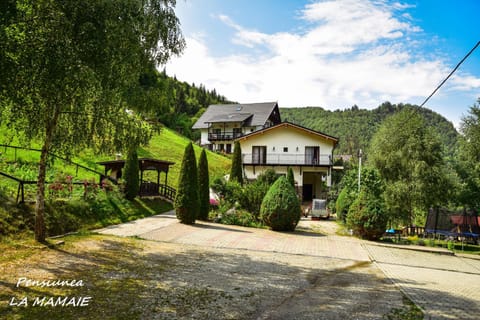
<point x="307" y="192"/>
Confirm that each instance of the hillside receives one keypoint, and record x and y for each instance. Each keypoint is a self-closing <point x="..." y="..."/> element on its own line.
<point x="167" y="145"/>
<point x="355" y="127"/>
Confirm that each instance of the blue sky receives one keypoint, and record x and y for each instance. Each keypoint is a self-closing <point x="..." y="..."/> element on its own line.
<point x="333" y="54"/>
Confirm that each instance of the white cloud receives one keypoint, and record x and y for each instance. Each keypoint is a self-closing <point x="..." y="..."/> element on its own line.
<point x="353" y="52"/>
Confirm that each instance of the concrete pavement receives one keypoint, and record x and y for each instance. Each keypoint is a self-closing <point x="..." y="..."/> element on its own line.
<point x="445" y="287"/>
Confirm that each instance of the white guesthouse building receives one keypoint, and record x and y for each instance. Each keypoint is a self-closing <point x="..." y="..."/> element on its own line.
<point x="220" y="125"/>
<point x="266" y="142"/>
<point x="308" y="152"/>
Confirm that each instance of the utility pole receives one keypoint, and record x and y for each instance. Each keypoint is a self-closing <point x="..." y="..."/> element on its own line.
<point x="359" y="168"/>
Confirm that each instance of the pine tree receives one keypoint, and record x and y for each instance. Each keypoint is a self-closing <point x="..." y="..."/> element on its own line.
<point x="236" y="174"/>
<point x="132" y="181"/>
<point x="203" y="186"/>
<point x="186" y="200"/>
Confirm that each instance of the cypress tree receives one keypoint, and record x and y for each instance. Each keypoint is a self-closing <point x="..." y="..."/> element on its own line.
<point x="290" y="177"/>
<point x="203" y="187"/>
<point x="186" y="200"/>
<point x="132" y="181"/>
<point x="236" y="173"/>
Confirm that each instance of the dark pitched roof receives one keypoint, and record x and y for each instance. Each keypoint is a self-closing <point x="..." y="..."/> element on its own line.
<point x="255" y="113"/>
<point x="293" y="125"/>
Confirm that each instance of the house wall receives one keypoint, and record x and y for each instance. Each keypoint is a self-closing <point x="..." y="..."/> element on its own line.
<point x="286" y="137"/>
<point x="295" y="140"/>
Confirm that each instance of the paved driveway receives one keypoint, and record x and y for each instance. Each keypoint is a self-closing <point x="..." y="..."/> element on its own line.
<point x="445" y="287"/>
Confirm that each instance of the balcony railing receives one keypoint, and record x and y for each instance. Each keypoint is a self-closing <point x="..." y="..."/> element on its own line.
<point x="287" y="159"/>
<point x="223" y="136"/>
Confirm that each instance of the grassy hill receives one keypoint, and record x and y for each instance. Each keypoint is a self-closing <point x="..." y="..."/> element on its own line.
<point x="166" y="145"/>
<point x="71" y="211"/>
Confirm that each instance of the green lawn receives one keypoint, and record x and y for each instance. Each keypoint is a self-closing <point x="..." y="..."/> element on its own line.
<point x="167" y="145"/>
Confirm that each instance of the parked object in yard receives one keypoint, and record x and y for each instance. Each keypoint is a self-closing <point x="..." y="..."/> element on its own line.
<point x="319" y="209"/>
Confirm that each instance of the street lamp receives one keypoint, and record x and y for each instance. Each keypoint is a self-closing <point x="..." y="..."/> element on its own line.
<point x="359" y="168"/>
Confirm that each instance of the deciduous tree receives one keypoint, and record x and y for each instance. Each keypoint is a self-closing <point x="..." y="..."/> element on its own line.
<point x="71" y="63"/>
<point x="409" y="158"/>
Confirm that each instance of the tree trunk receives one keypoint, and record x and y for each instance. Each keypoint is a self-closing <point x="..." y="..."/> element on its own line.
<point x="40" y="204"/>
<point x="40" y="230"/>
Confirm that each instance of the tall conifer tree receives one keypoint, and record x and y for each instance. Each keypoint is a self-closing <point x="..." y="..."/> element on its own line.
<point x="236" y="174"/>
<point x="203" y="186"/>
<point x="186" y="200"/>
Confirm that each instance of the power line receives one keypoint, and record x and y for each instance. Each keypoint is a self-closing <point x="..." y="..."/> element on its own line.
<point x="453" y="71"/>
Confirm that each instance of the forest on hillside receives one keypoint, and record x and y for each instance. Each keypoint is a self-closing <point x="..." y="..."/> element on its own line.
<point x="178" y="103"/>
<point x="355" y="127"/>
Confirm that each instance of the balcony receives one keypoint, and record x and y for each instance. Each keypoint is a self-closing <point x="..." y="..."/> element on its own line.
<point x="287" y="159"/>
<point x="224" y="136"/>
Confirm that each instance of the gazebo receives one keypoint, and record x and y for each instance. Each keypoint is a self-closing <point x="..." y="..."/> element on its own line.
<point x="113" y="169"/>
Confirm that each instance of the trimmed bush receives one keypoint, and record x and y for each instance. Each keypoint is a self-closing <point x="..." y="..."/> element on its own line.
<point x="236" y="174"/>
<point x="280" y="208"/>
<point x="203" y="187"/>
<point x="367" y="217"/>
<point x="186" y="200"/>
<point x="132" y="181"/>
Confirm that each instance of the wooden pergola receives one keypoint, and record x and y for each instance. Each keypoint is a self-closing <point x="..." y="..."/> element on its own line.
<point x="113" y="169"/>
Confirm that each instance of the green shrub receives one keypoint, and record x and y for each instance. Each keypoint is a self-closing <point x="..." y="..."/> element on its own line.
<point x="203" y="187"/>
<point x="280" y="209"/>
<point x="367" y="217"/>
<point x="186" y="200"/>
<point x="252" y="197"/>
<point x="240" y="218"/>
<point x="343" y="203"/>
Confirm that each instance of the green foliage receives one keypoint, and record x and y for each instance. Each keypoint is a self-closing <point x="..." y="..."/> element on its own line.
<point x="268" y="177"/>
<point x="66" y="215"/>
<point x="409" y="157"/>
<point x="355" y="127"/>
<point x="236" y="174"/>
<point x="280" y="208"/>
<point x="186" y="201"/>
<point x="130" y="175"/>
<point x="252" y="197"/>
<point x="203" y="187"/>
<point x="367" y="216"/>
<point x="181" y="104"/>
<point x="240" y="217"/>
<point x="343" y="203"/>
<point x="290" y="177"/>
<point x="71" y="65"/>
<point x="468" y="159"/>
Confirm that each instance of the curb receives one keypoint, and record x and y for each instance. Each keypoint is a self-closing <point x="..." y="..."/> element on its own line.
<point x="415" y="248"/>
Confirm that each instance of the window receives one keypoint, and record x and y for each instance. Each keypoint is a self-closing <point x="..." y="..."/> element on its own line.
<point x="229" y="148"/>
<point x="285" y="149"/>
<point x="312" y="155"/>
<point x="259" y="154"/>
<point x="237" y="132"/>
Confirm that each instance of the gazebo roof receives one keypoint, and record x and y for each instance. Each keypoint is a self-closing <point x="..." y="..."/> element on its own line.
<point x="143" y="163"/>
